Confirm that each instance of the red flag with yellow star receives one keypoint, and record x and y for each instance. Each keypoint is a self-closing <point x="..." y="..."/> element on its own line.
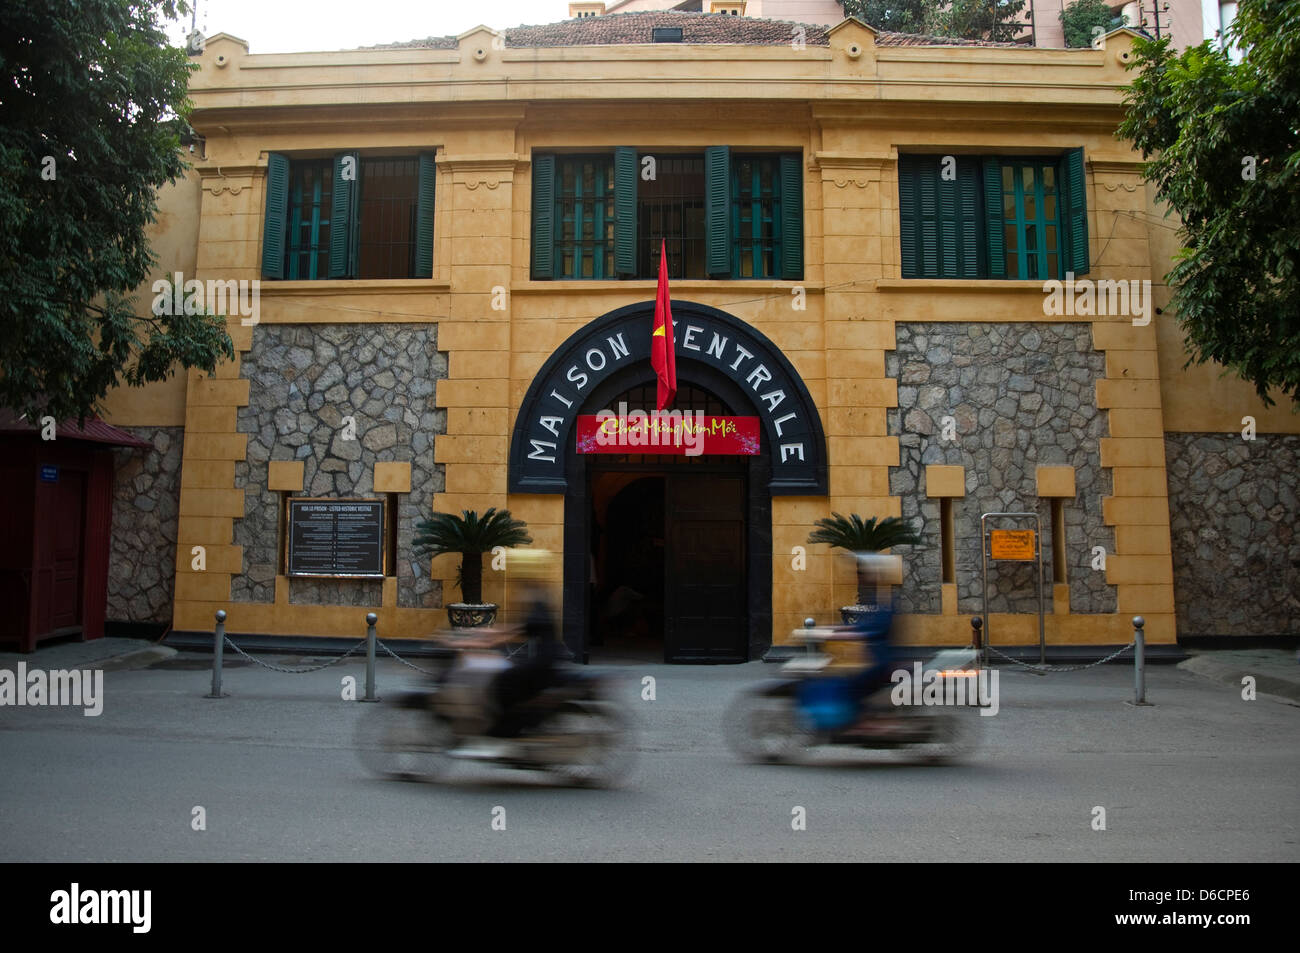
<point x="663" y="356"/>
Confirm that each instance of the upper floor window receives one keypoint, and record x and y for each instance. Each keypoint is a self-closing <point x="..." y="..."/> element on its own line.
<point x="307" y="242"/>
<point x="718" y="215"/>
<point x="992" y="217"/>
<point x="349" y="217"/>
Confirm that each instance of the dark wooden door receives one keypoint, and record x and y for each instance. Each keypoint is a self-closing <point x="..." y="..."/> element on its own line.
<point x="706" y="618"/>
<point x="66" y="549"/>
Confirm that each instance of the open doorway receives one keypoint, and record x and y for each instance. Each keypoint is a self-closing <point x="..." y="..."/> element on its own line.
<point x="628" y="558"/>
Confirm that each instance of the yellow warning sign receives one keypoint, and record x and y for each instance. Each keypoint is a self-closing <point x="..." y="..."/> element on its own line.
<point x="1011" y="544"/>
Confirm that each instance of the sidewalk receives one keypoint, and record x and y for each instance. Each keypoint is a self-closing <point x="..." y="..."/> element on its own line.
<point x="1276" y="671"/>
<point x="108" y="654"/>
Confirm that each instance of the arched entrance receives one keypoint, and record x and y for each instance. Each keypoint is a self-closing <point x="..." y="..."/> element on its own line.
<point x="668" y="546"/>
<point x="714" y="601"/>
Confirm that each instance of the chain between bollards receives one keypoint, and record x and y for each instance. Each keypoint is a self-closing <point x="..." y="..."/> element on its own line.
<point x="218" y="644"/>
<point x="370" y="696"/>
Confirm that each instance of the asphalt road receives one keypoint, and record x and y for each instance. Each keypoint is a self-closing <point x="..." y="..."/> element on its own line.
<point x="1200" y="776"/>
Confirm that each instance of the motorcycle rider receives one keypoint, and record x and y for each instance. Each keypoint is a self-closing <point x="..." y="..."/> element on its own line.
<point x="534" y="666"/>
<point x="874" y="631"/>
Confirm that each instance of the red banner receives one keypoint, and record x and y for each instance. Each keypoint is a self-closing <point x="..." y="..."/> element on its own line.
<point x="668" y="433"/>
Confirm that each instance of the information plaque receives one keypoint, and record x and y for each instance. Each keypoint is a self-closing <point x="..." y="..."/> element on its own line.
<point x="339" y="538"/>
<point x="1012" y="544"/>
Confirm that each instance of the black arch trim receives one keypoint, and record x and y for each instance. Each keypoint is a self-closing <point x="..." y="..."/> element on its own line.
<point x="807" y="477"/>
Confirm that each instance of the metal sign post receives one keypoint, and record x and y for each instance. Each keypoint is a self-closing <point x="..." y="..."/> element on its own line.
<point x="1015" y="545"/>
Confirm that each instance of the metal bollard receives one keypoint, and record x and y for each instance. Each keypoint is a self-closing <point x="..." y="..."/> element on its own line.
<point x="808" y="623"/>
<point x="1139" y="662"/>
<point x="977" y="643"/>
<point x="218" y="650"/>
<point x="371" y="619"/>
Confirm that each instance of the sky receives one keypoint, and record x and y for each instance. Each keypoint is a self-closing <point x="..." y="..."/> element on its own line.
<point x="298" y="26"/>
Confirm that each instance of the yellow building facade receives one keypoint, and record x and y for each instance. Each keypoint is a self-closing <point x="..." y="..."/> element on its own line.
<point x="928" y="396"/>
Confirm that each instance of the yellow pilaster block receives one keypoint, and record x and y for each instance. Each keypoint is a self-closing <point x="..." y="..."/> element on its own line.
<point x="1126" y="393"/>
<point x="476" y="448"/>
<point x="1134" y="511"/>
<point x="285" y="475"/>
<point x="945" y="480"/>
<point x="1056" y="481"/>
<point x="392" y="477"/>
<point x="476" y="393"/>
<point x="863" y="451"/>
<point x="1140" y="481"/>
<point x="1132" y="452"/>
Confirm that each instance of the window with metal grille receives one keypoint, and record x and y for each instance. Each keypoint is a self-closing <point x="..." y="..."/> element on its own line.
<point x="584" y="215"/>
<point x="386" y="218"/>
<point x="599" y="216"/>
<point x="671" y="207"/>
<point x="348" y="217"/>
<point x="756" y="216"/>
<point x="307" y="244"/>
<point x="1031" y="219"/>
<point x="1018" y="217"/>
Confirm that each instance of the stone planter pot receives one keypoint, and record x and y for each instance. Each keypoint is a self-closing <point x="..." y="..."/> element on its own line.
<point x="465" y="615"/>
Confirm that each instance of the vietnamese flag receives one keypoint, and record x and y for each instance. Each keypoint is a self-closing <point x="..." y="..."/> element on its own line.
<point x="662" y="354"/>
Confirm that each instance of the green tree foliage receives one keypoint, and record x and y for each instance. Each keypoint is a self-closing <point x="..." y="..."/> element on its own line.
<point x="896" y="16"/>
<point x="1080" y="18"/>
<point x="999" y="20"/>
<point x="471" y="536"/>
<point x="93" y="86"/>
<point x="1226" y="145"/>
<point x="858" y="536"/>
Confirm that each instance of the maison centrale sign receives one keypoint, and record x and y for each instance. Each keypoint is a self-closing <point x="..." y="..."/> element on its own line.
<point x="714" y="350"/>
<point x="668" y="432"/>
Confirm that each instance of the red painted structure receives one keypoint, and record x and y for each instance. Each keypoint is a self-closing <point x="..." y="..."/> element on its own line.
<point x="56" y="517"/>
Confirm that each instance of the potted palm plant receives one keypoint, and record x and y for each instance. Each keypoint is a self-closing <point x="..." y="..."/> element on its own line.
<point x="863" y="537"/>
<point x="471" y="536"/>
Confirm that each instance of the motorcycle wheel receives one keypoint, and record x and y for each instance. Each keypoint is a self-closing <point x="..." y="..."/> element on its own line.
<point x="595" y="742"/>
<point x="766" y="728"/>
<point x="404" y="741"/>
<point x="951" y="737"/>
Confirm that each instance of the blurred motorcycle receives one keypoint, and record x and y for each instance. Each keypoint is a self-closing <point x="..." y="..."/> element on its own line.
<point x="572" y="728"/>
<point x="809" y="705"/>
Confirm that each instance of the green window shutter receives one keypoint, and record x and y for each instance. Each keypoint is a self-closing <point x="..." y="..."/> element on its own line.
<point x="717" y="183"/>
<point x="424" y="197"/>
<point x="1075" y="194"/>
<point x="625" y="168"/>
<point x="342" y="216"/>
<point x="949" y="258"/>
<point x="928" y="206"/>
<point x="792" y="216"/>
<point x="993" y="217"/>
<point x="277" y="211"/>
<point x="543" y="216"/>
<point x="908" y="222"/>
<point x="968" y="213"/>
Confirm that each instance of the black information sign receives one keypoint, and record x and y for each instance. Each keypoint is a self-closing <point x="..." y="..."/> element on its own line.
<point x="336" y="538"/>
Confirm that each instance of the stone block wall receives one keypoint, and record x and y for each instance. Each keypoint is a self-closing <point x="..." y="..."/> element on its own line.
<point x="1234" y="513"/>
<point x="304" y="381"/>
<point x="142" y="554"/>
<point x="1019" y="395"/>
